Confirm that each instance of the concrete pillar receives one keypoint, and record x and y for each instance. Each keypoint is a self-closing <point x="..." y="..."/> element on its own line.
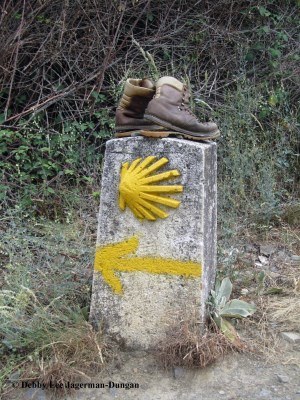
<point x="147" y="272"/>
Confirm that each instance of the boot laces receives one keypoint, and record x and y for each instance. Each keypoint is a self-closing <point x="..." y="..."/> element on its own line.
<point x="185" y="103"/>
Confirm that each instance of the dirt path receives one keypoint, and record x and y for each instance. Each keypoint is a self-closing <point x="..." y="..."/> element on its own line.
<point x="236" y="377"/>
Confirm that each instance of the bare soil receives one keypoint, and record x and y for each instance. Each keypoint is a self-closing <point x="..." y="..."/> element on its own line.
<point x="236" y="377"/>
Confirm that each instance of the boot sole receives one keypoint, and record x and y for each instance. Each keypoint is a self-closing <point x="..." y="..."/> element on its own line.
<point x="134" y="130"/>
<point x="177" y="131"/>
<point x="161" y="134"/>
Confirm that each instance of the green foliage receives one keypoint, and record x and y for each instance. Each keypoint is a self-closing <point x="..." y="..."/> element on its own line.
<point x="45" y="280"/>
<point x="258" y="154"/>
<point x="33" y="159"/>
<point x="274" y="36"/>
<point x="237" y="309"/>
<point x="222" y="308"/>
<point x="54" y="125"/>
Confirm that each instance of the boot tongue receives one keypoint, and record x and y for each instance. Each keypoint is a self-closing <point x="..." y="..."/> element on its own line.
<point x="169" y="80"/>
<point x="147" y="83"/>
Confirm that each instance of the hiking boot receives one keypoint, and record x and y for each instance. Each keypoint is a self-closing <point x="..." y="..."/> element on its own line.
<point x="130" y="111"/>
<point x="170" y="109"/>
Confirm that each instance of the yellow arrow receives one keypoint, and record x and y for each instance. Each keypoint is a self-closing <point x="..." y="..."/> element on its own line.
<point x="119" y="257"/>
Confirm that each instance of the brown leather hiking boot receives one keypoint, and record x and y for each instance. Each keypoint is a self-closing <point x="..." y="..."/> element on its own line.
<point x="130" y="111"/>
<point x="170" y="108"/>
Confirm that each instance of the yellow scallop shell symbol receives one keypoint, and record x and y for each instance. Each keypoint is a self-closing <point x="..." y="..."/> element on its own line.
<point x="138" y="192"/>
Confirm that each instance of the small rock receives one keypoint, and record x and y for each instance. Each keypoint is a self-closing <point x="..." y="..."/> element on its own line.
<point x="267" y="249"/>
<point x="244" y="291"/>
<point x="264" y="260"/>
<point x="295" y="259"/>
<point x="135" y="370"/>
<point x="274" y="275"/>
<point x="250" y="248"/>
<point x="282" y="255"/>
<point x="36" y="394"/>
<point x="14" y="376"/>
<point x="178" y="372"/>
<point x="221" y="392"/>
<point x="113" y="392"/>
<point x="264" y="393"/>
<point x="292" y="337"/>
<point x="283" y="378"/>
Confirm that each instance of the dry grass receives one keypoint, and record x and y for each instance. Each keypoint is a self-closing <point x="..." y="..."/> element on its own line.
<point x="75" y="356"/>
<point x="273" y="315"/>
<point x="285" y="312"/>
<point x="259" y="334"/>
<point x="45" y="47"/>
<point x="186" y="346"/>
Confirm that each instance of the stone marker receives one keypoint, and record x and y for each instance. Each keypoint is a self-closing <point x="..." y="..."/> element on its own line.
<point x="156" y="244"/>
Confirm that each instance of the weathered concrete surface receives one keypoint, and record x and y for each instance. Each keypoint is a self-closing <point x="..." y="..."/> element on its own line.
<point x="149" y="303"/>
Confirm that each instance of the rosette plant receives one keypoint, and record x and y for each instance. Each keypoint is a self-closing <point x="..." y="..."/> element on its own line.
<point x="222" y="309"/>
